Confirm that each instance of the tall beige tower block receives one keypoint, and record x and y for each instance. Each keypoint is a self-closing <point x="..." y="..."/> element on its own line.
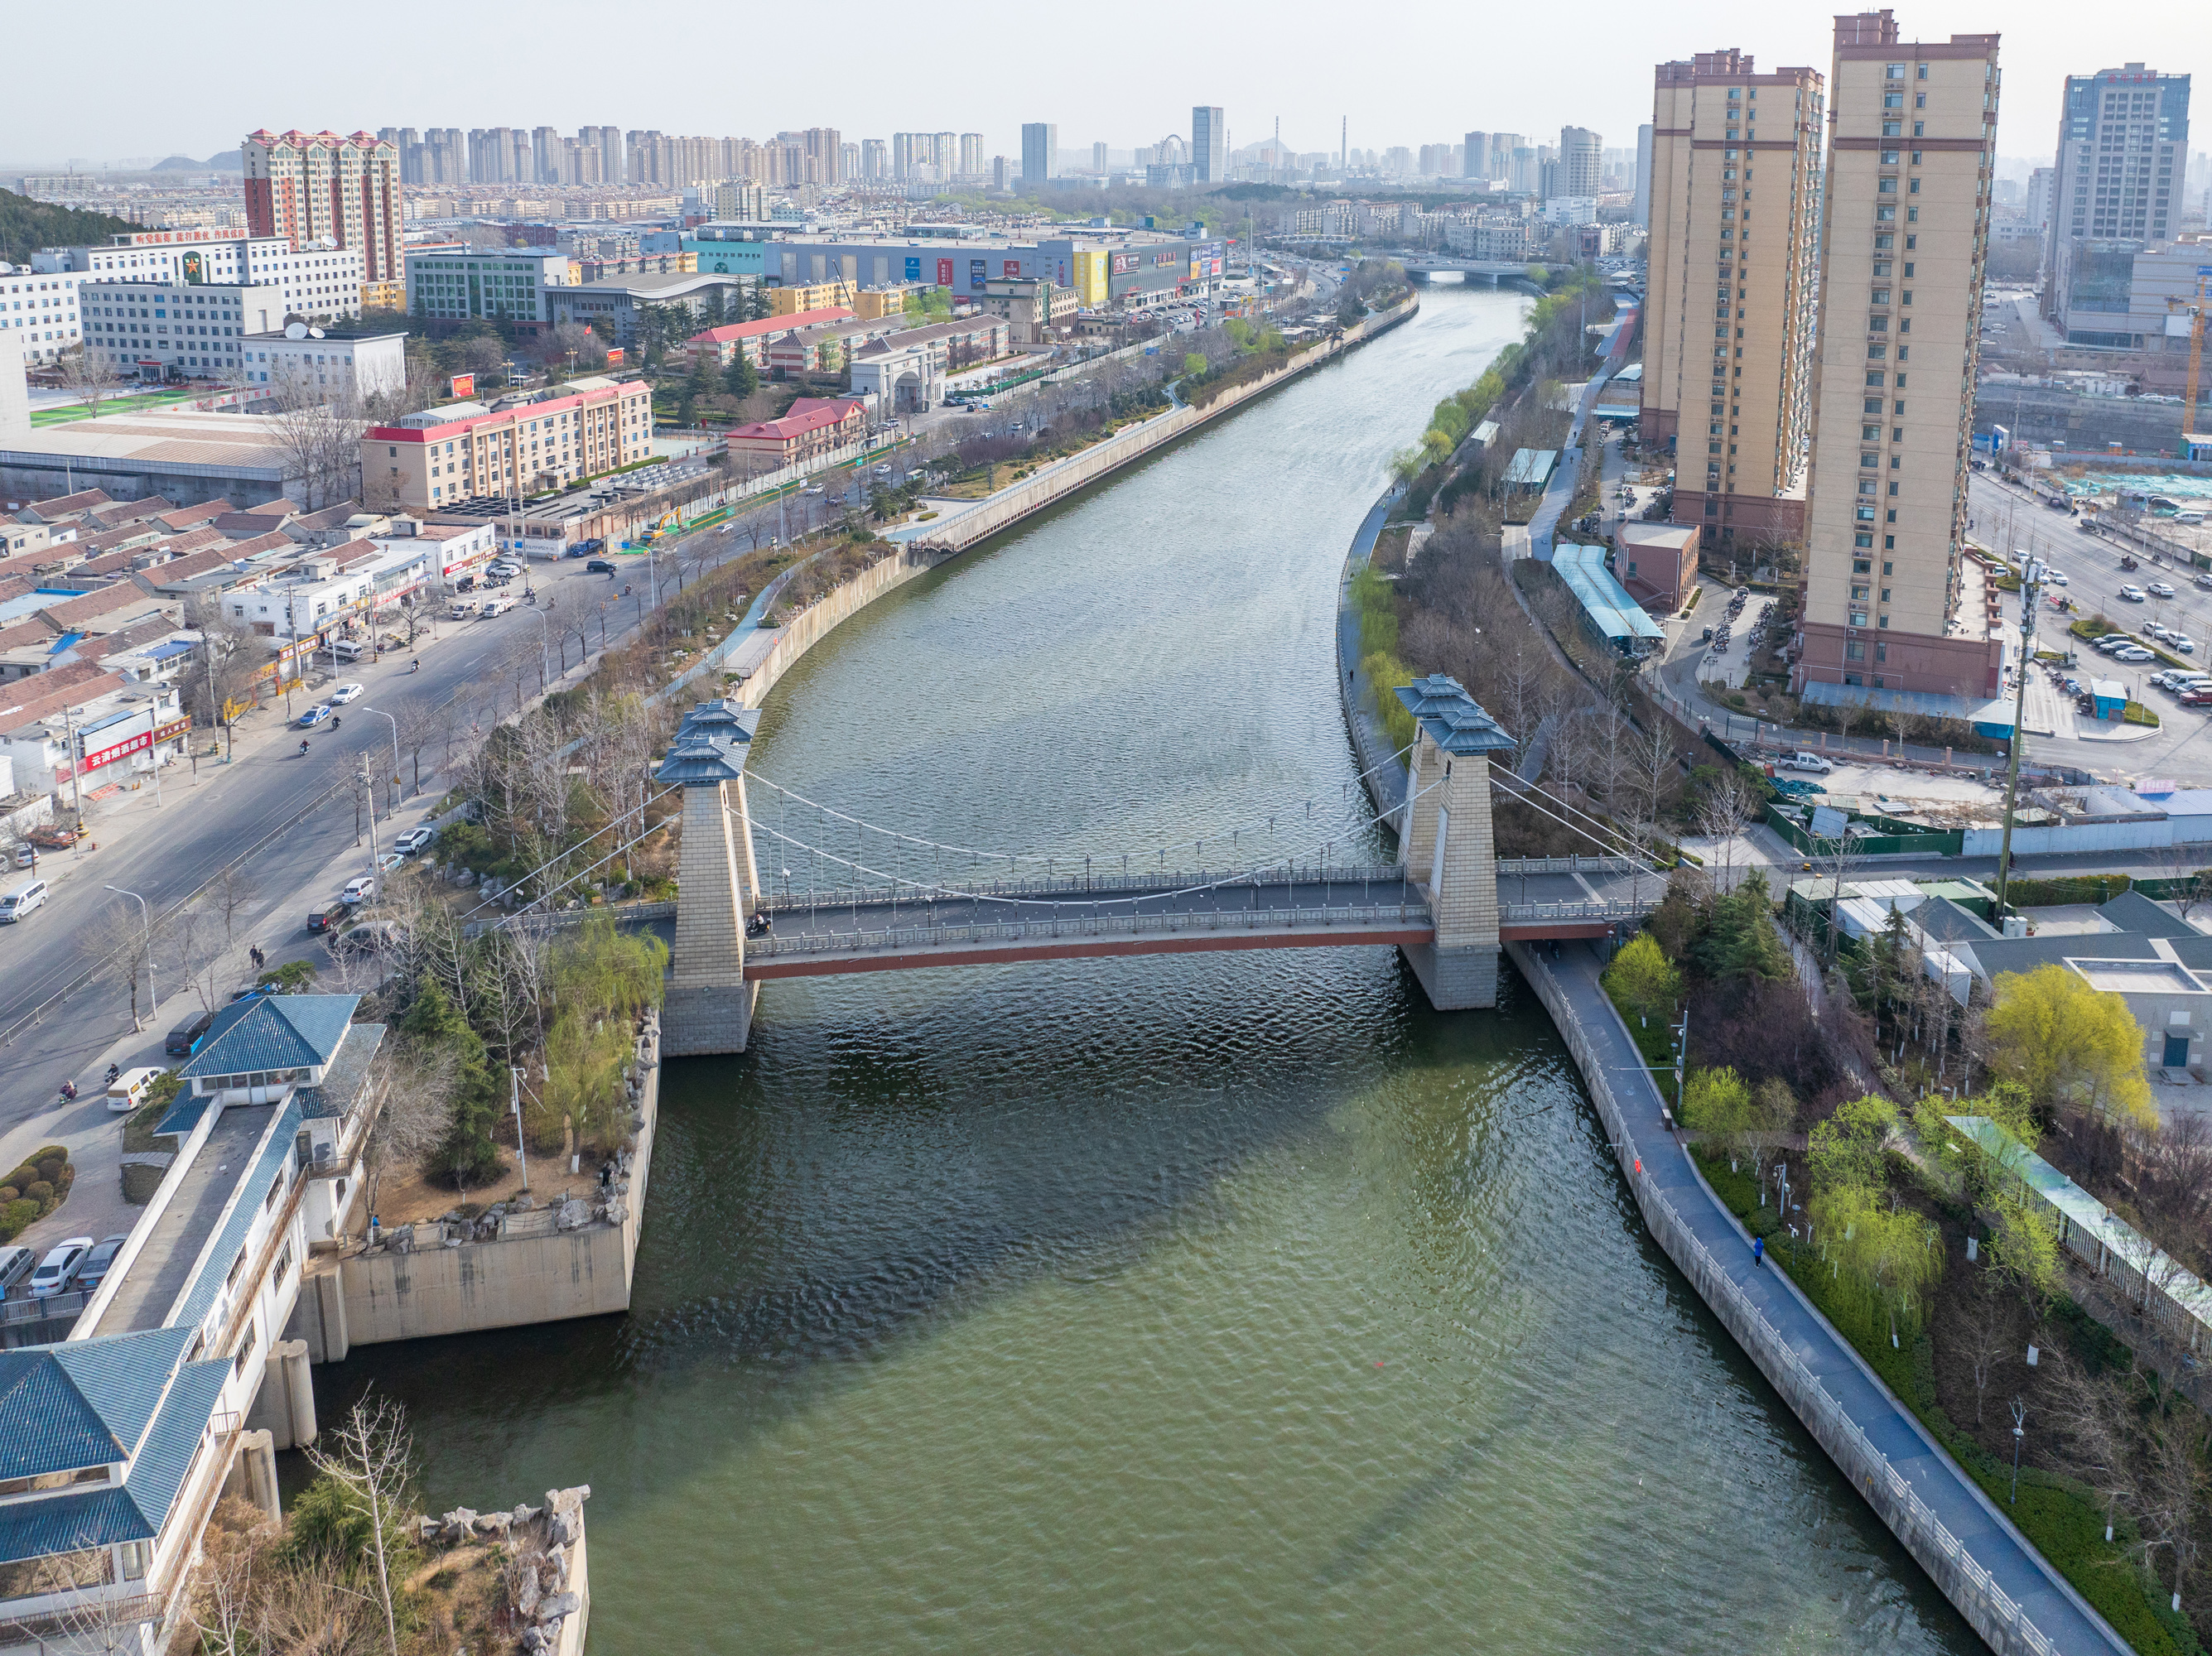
<point x="1731" y="314"/>
<point x="709" y="1006"/>
<point x="1447" y="847"/>
<point x="1891" y="604"/>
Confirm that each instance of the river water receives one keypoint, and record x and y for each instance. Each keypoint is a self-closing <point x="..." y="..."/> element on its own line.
<point x="1229" y="1302"/>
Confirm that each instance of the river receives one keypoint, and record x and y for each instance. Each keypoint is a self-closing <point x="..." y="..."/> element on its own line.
<point x="1229" y="1302"/>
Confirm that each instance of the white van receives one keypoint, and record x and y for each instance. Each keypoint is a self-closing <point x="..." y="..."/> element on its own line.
<point x="348" y="649"/>
<point x="128" y="1090"/>
<point x="21" y="900"/>
<point x="15" y="1263"/>
<point x="462" y="610"/>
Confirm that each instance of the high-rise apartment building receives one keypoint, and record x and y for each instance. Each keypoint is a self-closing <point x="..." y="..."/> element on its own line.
<point x="312" y="188"/>
<point x="1642" y="209"/>
<point x="971" y="154"/>
<point x="1040" y="151"/>
<point x="1504" y="146"/>
<point x="1890" y="603"/>
<point x="2042" y="190"/>
<point x="875" y="159"/>
<point x="2123" y="147"/>
<point x="545" y="156"/>
<point x="1582" y="162"/>
<point x="1209" y="143"/>
<point x="1474" y="157"/>
<point x="1731" y="318"/>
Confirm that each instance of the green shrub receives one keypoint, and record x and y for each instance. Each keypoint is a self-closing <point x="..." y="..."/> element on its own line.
<point x="50" y="1168"/>
<point x="16" y="1214"/>
<point x="8" y="1193"/>
<point x="40" y="1191"/>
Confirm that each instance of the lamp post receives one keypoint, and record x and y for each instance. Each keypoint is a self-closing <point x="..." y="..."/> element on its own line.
<point x="514" y="1103"/>
<point x="394" y="723"/>
<point x="2030" y="584"/>
<point x="145" y="919"/>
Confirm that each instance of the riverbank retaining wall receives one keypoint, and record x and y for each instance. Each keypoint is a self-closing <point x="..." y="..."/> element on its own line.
<point x="1019" y="501"/>
<point x="1963" y="1581"/>
<point x="1385" y="776"/>
<point x="535" y="1266"/>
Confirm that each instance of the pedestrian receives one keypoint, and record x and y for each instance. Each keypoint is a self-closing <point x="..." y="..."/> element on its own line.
<point x="1757" y="1251"/>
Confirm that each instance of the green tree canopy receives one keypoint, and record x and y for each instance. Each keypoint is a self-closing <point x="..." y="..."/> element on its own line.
<point x="2067" y="1043"/>
<point x="467" y="1154"/>
<point x="1643" y="979"/>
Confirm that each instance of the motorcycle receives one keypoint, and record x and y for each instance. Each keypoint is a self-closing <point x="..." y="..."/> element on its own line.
<point x="69" y="1090"/>
<point x="2129" y="563"/>
<point x="303" y="749"/>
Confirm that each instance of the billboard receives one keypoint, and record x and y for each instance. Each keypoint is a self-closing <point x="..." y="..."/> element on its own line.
<point x="1012" y="268"/>
<point x="1124" y="262"/>
<point x="978" y="272"/>
<point x="945" y="273"/>
<point x="464" y="385"/>
<point x="615" y="357"/>
<point x="913" y="267"/>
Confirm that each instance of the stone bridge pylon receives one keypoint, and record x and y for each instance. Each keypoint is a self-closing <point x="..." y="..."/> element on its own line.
<point x="1447" y="848"/>
<point x="710" y="1000"/>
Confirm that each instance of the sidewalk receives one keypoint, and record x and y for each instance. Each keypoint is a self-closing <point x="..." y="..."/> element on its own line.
<point x="1919" y="1471"/>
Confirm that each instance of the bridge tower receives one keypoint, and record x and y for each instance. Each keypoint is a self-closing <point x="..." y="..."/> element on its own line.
<point x="710" y="1003"/>
<point x="1448" y="847"/>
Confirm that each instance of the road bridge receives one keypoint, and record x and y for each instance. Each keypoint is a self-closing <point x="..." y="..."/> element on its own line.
<point x="1442" y="905"/>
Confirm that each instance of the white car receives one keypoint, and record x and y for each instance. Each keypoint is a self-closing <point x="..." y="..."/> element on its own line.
<point x="2159" y="589"/>
<point x="2186" y="645"/>
<point x="2056" y="577"/>
<point x="359" y="889"/>
<point x="1807" y="761"/>
<point x="2132" y="593"/>
<point x="59" y="1268"/>
<point x="345" y="693"/>
<point x="2135" y="654"/>
<point x="413" y="840"/>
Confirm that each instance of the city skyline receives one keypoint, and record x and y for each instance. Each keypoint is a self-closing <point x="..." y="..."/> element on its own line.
<point x="1526" y="78"/>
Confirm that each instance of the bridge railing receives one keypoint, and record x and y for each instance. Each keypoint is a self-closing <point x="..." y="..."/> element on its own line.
<point x="1396" y="916"/>
<point x="1568" y="866"/>
<point x="1077" y="887"/>
<point x="1622" y="908"/>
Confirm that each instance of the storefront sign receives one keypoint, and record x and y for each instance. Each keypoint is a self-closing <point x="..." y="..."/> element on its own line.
<point x="108" y="755"/>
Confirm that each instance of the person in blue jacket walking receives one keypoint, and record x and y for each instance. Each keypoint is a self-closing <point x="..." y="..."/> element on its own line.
<point x="1757" y="1251"/>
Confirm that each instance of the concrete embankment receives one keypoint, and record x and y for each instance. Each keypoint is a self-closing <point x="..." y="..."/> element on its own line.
<point x="758" y="655"/>
<point x="547" y="1263"/>
<point x="1383" y="773"/>
<point x="1997" y="1579"/>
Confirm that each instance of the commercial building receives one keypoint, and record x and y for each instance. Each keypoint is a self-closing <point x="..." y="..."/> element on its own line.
<point x="333" y="364"/>
<point x="150" y="329"/>
<point x="450" y="286"/>
<point x="521" y="446"/>
<point x="1889" y="602"/>
<point x="1657" y="563"/>
<point x="185" y="455"/>
<point x="620" y="303"/>
<point x="1040" y="151"/>
<point x="2123" y="149"/>
<point x="1731" y="318"/>
<point x="318" y="190"/>
<point x="1582" y="162"/>
<point x="1209" y="143"/>
<point x="39" y="313"/>
<point x="316" y="282"/>
<point x="2125" y="294"/>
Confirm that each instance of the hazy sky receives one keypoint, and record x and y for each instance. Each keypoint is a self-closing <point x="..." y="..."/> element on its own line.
<point x="1424" y="73"/>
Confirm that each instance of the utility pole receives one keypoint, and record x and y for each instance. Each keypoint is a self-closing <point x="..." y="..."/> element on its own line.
<point x="2031" y="583"/>
<point x="514" y="1103"/>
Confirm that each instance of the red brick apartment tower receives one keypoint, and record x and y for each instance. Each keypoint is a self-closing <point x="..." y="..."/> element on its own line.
<point x="1733" y="151"/>
<point x="1890" y="602"/>
<point x="304" y="186"/>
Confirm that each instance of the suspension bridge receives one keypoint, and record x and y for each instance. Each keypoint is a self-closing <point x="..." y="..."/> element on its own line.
<point x="1446" y="903"/>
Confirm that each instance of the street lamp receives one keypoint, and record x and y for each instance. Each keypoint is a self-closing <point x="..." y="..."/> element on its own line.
<point x="394" y="723"/>
<point x="544" y="655"/>
<point x="146" y="919"/>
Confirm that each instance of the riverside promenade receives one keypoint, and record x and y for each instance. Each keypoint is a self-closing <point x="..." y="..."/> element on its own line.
<point x="1995" y="1578"/>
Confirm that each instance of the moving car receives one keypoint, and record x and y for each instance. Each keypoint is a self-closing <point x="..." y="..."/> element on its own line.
<point x="322" y="919"/>
<point x="2159" y="589"/>
<point x="1808" y="761"/>
<point x="495" y="606"/>
<point x="59" y="1268"/>
<point x="345" y="693"/>
<point x="599" y="566"/>
<point x="128" y="1090"/>
<point x="413" y="840"/>
<point x="98" y="1263"/>
<point x="2057" y="578"/>
<point x="2132" y="593"/>
<point x="314" y="715"/>
<point x="184" y="1041"/>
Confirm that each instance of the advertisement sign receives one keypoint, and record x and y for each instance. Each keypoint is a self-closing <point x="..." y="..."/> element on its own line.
<point x="945" y="273"/>
<point x="913" y="267"/>
<point x="976" y="272"/>
<point x="1013" y="268"/>
<point x="464" y="385"/>
<point x="194" y="272"/>
<point x="1165" y="257"/>
<point x="615" y="357"/>
<point x="105" y="755"/>
<point x="1124" y="262"/>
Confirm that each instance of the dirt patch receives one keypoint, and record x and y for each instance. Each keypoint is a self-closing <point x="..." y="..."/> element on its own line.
<point x="406" y="1198"/>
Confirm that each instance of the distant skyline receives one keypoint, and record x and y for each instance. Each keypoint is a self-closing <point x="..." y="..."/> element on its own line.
<point x="1435" y="73"/>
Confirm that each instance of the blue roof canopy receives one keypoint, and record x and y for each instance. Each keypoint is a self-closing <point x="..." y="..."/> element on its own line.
<point x="1452" y="717"/>
<point x="1615" y="617"/>
<point x="273" y="1032"/>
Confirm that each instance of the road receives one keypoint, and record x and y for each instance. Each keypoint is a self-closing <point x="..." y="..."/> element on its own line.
<point x="203" y="823"/>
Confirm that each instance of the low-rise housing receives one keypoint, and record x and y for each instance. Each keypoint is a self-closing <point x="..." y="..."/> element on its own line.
<point x="618" y="303"/>
<point x="518" y="447"/>
<point x="753" y="338"/>
<point x="813" y="426"/>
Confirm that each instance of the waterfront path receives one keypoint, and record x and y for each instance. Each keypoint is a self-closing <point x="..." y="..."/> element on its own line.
<point x="1386" y="781"/>
<point x="2003" y="1557"/>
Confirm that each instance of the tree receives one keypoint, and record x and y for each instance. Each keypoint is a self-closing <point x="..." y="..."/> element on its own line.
<point x="1717" y="1105"/>
<point x="226" y="665"/>
<point x="122" y="950"/>
<point x="89" y="378"/>
<point x="1724" y="812"/>
<point x="2096" y="1419"/>
<point x="740" y="379"/>
<point x="1845" y="1151"/>
<point x="372" y="1463"/>
<point x="2175" y="1487"/>
<point x="1643" y="976"/>
<point x="2068" y="1044"/>
<point x="465" y="1152"/>
<point x="417" y="1082"/>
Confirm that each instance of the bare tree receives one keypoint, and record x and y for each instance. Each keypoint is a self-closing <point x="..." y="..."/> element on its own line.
<point x="227" y="1609"/>
<point x="2187" y="886"/>
<point x="2176" y="1484"/>
<point x="89" y="378"/>
<point x="373" y="1460"/>
<point x="122" y="948"/>
<point x="417" y="1086"/>
<point x="2097" y="1429"/>
<point x="1726" y="811"/>
<point x="1985" y="1338"/>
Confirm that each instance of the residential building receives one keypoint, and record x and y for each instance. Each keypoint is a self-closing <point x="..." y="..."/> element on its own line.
<point x="79" y="727"/>
<point x="1032" y="308"/>
<point x="315" y="283"/>
<point x="1640" y="214"/>
<point x="744" y="199"/>
<point x="1657" y="563"/>
<point x="522" y="446"/>
<point x="1209" y="143"/>
<point x="1889" y="601"/>
<point x="39" y="311"/>
<point x="1040" y="151"/>
<point x="153" y="330"/>
<point x="317" y="189"/>
<point x="1730" y="319"/>
<point x="1475" y="156"/>
<point x="451" y="286"/>
<point x="753" y="338"/>
<point x="2123" y="147"/>
<point x="365" y="365"/>
<point x="971" y="154"/>
<point x="1582" y="158"/>
<point x="951" y="345"/>
<point x="835" y="295"/>
<point x="875" y="164"/>
<point x="621" y="301"/>
<point x="2042" y="191"/>
<point x="812" y="426"/>
<point x="999" y="171"/>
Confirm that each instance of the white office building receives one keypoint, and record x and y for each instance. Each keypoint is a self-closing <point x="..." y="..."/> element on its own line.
<point x="315" y="281"/>
<point x="152" y="328"/>
<point x="368" y="365"/>
<point x="39" y="312"/>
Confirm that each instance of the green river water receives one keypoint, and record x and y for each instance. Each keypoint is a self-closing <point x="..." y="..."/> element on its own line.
<point x="1210" y="1303"/>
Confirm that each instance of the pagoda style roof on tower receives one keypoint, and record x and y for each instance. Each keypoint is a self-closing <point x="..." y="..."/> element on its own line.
<point x="1441" y="706"/>
<point x="710" y="745"/>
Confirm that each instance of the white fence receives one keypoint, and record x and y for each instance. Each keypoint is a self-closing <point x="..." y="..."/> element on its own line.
<point x="2000" y="1621"/>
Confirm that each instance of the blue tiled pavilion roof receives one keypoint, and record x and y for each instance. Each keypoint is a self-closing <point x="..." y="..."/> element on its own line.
<point x="1454" y="721"/>
<point x="710" y="744"/>
<point x="71" y="1406"/>
<point x="273" y="1032"/>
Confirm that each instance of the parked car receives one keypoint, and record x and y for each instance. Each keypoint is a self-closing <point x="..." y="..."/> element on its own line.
<point x="2132" y="593"/>
<point x="314" y="715"/>
<point x="2135" y="654"/>
<point x="599" y="566"/>
<point x="504" y="567"/>
<point x="253" y="989"/>
<point x="321" y="919"/>
<point x="2186" y="645"/>
<point x="98" y="1263"/>
<point x="1808" y="761"/>
<point x="2159" y="589"/>
<point x="59" y="1268"/>
<point x="413" y="840"/>
<point x="185" y="1040"/>
<point x="128" y="1090"/>
<point x="26" y="857"/>
<point x="358" y="889"/>
<point x="344" y="693"/>
<point x="15" y="1263"/>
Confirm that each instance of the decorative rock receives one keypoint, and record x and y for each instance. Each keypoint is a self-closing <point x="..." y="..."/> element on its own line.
<point x="494" y="1524"/>
<point x="429" y="1530"/>
<point x="460" y="1522"/>
<point x="558" y="1560"/>
<point x="527" y="1593"/>
<point x="559" y="1604"/>
<point x="523" y="1514"/>
<point x="534" y="1639"/>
